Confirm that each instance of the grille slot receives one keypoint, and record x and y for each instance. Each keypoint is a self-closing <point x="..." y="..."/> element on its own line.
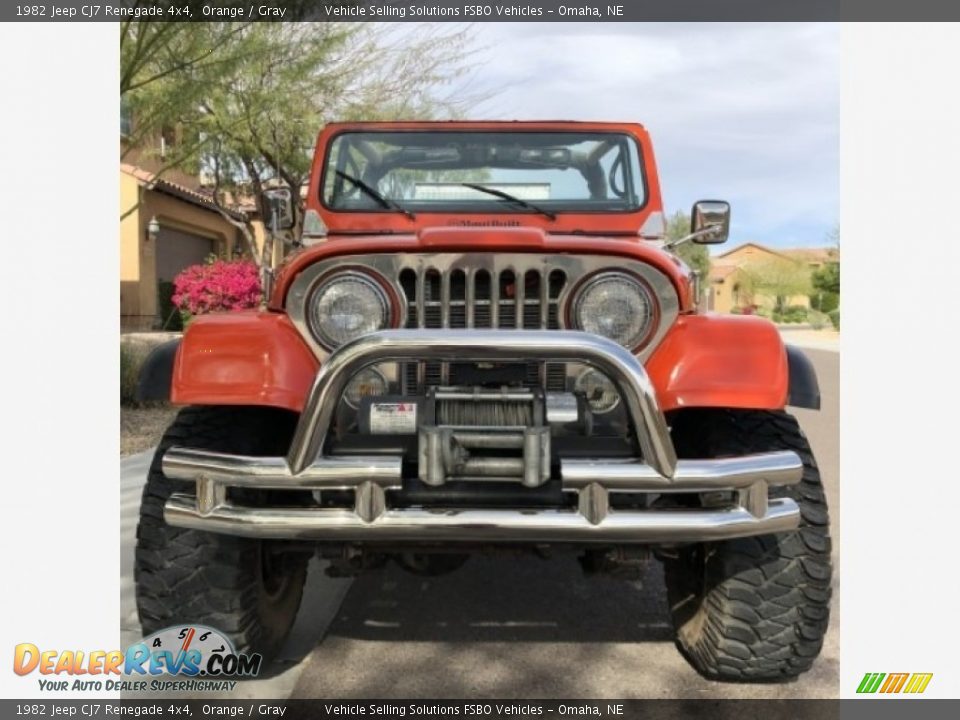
<point x="466" y="297"/>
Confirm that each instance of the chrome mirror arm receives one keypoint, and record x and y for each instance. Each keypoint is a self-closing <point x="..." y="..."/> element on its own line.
<point x="703" y="232"/>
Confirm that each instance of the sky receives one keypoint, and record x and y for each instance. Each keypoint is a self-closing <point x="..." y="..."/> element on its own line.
<point x="747" y="113"/>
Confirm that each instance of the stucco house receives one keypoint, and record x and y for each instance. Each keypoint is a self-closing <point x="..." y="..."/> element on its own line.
<point x="730" y="285"/>
<point x="165" y="227"/>
<point x="168" y="221"/>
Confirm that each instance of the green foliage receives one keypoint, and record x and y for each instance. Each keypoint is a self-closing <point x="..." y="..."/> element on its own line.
<point x="166" y="68"/>
<point x="131" y="359"/>
<point x="697" y="257"/>
<point x="249" y="98"/>
<point x="827" y="278"/>
<point x="780" y="278"/>
<point x="791" y="314"/>
<point x="824" y="301"/>
<point x="835" y="318"/>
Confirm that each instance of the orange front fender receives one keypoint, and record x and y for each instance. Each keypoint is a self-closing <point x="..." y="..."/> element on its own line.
<point x="731" y="361"/>
<point x="259" y="358"/>
<point x="243" y="358"/>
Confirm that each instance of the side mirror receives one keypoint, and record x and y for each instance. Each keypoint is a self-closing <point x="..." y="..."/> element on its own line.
<point x="710" y="222"/>
<point x="279" y="208"/>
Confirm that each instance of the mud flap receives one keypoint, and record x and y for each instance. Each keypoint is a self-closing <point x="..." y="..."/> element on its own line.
<point x="156" y="374"/>
<point x="804" y="390"/>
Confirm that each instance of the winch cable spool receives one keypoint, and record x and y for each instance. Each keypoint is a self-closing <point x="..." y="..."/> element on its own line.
<point x="490" y="413"/>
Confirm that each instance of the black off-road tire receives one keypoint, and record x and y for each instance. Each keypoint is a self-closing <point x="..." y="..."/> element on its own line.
<point x="248" y="589"/>
<point x="756" y="608"/>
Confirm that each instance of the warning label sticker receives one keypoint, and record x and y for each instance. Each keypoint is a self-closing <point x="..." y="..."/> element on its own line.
<point x="393" y="418"/>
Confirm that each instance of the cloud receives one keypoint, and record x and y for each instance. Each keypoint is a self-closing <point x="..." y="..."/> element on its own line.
<point x="745" y="112"/>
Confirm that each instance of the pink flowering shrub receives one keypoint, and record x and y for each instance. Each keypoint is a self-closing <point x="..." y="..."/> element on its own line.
<point x="217" y="286"/>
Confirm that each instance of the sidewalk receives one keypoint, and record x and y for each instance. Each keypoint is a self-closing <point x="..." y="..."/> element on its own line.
<point x="804" y="337"/>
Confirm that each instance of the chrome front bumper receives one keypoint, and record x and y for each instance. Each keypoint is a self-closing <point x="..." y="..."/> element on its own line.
<point x="371" y="478"/>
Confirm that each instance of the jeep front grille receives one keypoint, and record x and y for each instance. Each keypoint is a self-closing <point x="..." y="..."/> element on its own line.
<point x="480" y="298"/>
<point x="517" y="297"/>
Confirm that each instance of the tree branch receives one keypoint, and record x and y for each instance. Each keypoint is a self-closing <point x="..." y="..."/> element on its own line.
<point x="243" y="227"/>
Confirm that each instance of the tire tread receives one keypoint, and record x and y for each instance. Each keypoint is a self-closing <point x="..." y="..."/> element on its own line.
<point x="186" y="575"/>
<point x="765" y="601"/>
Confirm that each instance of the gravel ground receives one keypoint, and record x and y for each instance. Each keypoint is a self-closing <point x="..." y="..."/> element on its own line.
<point x="142" y="428"/>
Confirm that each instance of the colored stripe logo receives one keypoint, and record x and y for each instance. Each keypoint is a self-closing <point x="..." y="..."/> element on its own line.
<point x="887" y="683"/>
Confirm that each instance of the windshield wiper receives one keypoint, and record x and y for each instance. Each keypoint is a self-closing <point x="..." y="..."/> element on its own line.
<point x="381" y="200"/>
<point x="511" y="198"/>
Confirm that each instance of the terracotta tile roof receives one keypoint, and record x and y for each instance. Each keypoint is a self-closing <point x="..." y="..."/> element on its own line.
<point x="150" y="181"/>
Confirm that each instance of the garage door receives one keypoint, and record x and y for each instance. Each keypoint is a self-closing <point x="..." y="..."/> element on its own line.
<point x="177" y="250"/>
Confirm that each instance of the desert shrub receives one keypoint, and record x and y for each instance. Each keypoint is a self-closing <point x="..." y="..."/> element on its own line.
<point x="131" y="360"/>
<point x="835" y="318"/>
<point x="791" y="314"/>
<point x="217" y="286"/>
<point x="818" y="320"/>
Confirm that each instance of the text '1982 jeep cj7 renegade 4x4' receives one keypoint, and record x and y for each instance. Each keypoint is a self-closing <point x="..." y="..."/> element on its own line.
<point x="488" y="344"/>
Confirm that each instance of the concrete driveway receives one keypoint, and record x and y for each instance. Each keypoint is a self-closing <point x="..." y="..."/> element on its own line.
<point x="504" y="627"/>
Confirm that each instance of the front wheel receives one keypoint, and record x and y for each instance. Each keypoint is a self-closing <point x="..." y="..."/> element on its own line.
<point x="248" y="589"/>
<point x="754" y="608"/>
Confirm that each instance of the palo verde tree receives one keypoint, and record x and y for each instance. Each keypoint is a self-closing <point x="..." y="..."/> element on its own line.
<point x="165" y="70"/>
<point x="249" y="108"/>
<point x="826" y="279"/>
<point x="779" y="277"/>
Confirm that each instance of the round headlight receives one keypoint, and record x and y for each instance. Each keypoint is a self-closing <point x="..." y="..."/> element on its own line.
<point x="616" y="306"/>
<point x="346" y="306"/>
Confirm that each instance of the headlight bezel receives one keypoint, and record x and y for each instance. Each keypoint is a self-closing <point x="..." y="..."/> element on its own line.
<point x="382" y="289"/>
<point x="579" y="291"/>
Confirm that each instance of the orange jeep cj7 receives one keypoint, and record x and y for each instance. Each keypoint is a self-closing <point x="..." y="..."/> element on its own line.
<point x="487" y="344"/>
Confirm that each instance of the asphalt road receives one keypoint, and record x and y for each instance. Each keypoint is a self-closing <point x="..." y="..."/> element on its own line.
<point x="505" y="627"/>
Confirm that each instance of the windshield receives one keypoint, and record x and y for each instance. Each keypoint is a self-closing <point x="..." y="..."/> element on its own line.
<point x="452" y="171"/>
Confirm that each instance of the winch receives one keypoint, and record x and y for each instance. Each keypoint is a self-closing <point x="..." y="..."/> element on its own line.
<point x="478" y="433"/>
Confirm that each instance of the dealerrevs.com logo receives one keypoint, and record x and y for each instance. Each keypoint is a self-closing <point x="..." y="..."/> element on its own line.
<point x="894" y="683"/>
<point x="200" y="657"/>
